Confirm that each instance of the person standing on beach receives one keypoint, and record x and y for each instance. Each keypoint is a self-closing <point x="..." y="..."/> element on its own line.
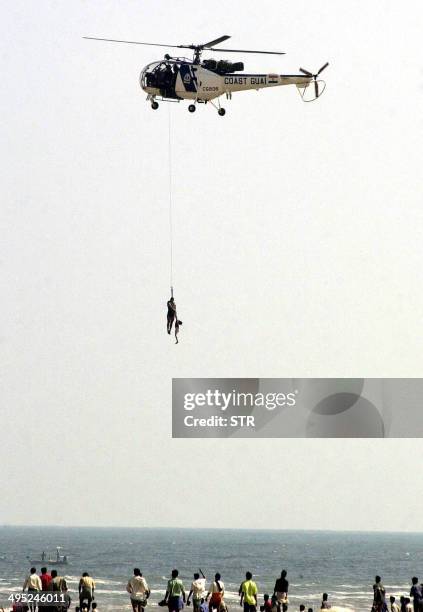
<point x="394" y="606"/>
<point x="45" y="579"/>
<point x="138" y="590"/>
<point x="58" y="585"/>
<point x="198" y="588"/>
<point x="325" y="604"/>
<point x="379" y="603"/>
<point x="281" y="591"/>
<point x="32" y="584"/>
<point x="416" y="593"/>
<point x="175" y="594"/>
<point x="86" y="591"/>
<point x="217" y="593"/>
<point x="249" y="594"/>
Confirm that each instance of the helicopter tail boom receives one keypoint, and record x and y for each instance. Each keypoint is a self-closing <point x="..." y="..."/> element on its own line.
<point x="243" y="82"/>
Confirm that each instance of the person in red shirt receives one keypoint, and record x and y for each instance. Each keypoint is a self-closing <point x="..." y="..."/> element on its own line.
<point x="45" y="579"/>
<point x="267" y="606"/>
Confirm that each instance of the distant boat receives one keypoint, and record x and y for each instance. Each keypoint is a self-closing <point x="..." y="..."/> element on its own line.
<point x="59" y="560"/>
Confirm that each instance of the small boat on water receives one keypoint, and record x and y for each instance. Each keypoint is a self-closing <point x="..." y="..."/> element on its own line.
<point x="59" y="560"/>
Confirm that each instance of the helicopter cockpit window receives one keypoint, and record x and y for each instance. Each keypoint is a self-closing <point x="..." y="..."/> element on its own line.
<point x="147" y="76"/>
<point x="162" y="76"/>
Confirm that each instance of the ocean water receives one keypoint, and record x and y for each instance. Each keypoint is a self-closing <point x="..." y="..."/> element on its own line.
<point x="343" y="564"/>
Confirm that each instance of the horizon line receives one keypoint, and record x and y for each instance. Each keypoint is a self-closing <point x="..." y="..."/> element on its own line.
<point x="177" y="528"/>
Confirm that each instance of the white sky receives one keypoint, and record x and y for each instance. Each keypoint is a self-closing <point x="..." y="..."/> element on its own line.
<point x="298" y="249"/>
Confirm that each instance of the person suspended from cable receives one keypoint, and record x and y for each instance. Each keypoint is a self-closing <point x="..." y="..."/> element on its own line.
<point x="177" y="324"/>
<point x="171" y="313"/>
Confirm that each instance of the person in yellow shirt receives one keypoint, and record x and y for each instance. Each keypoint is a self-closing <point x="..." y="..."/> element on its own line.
<point x="248" y="594"/>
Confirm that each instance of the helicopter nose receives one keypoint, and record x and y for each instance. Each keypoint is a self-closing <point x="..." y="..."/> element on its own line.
<point x="142" y="78"/>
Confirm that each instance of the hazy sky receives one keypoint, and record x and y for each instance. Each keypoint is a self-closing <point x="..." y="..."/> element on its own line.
<point x="298" y="250"/>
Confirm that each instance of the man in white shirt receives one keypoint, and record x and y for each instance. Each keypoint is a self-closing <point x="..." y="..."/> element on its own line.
<point x="197" y="591"/>
<point x="33" y="584"/>
<point x="138" y="590"/>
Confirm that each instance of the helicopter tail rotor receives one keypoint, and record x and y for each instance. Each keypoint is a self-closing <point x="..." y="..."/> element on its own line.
<point x="319" y="85"/>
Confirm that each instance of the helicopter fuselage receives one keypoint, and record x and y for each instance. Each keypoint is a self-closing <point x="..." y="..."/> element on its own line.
<point x="184" y="80"/>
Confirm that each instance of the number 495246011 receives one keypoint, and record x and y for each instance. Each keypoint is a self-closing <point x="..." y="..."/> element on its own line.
<point x="39" y="598"/>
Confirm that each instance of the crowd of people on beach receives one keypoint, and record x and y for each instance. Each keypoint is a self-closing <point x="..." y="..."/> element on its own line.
<point x="203" y="599"/>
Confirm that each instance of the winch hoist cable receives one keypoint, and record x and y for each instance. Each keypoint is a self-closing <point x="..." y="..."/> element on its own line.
<point x="170" y="198"/>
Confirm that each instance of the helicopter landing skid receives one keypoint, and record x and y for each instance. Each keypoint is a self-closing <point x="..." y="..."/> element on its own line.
<point x="192" y="107"/>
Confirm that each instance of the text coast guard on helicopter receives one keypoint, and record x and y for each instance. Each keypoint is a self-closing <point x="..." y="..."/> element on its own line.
<point x="201" y="81"/>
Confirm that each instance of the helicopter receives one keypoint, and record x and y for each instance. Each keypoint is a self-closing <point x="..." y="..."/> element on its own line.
<point x="203" y="81"/>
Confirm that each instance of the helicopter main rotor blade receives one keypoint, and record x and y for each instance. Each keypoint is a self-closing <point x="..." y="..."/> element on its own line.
<point x="193" y="47"/>
<point x="245" y="51"/>
<point x="217" y="41"/>
<point x="135" y="42"/>
<point x="322" y="68"/>
<point x="306" y="72"/>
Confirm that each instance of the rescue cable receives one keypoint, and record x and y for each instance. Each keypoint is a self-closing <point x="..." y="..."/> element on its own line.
<point x="170" y="199"/>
